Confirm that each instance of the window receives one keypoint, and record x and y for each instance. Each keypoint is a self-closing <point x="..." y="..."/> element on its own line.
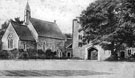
<point x="24" y="46"/>
<point x="68" y="54"/>
<point x="80" y="37"/>
<point x="43" y="46"/>
<point x="10" y="43"/>
<point x="80" y="44"/>
<point x="60" y="54"/>
<point x="129" y="52"/>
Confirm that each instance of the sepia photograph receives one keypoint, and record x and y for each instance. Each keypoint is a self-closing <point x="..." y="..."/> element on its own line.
<point x="67" y="38"/>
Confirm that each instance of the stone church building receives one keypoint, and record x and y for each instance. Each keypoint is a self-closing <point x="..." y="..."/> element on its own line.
<point x="88" y="51"/>
<point x="33" y="34"/>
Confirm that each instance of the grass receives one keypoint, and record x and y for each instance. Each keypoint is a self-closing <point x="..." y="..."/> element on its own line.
<point x="51" y="73"/>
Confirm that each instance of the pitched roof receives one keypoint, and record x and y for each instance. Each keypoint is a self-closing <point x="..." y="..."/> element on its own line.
<point x="47" y="29"/>
<point x="23" y="32"/>
<point x="68" y="43"/>
<point x="27" y="7"/>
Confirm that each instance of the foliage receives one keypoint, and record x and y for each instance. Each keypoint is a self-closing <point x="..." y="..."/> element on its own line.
<point x="14" y="54"/>
<point x="4" y="54"/>
<point x="50" y="54"/>
<point x="41" y="54"/>
<point x="5" y="25"/>
<point x="29" y="54"/>
<point x="109" y="23"/>
<point x="32" y="54"/>
<point x="17" y="20"/>
<point x="2" y="32"/>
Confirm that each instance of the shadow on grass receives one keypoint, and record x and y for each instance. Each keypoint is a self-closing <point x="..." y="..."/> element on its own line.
<point x="52" y="73"/>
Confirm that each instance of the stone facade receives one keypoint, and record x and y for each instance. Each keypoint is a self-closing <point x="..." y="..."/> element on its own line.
<point x="10" y="34"/>
<point x="51" y="43"/>
<point x="25" y="45"/>
<point x="33" y="34"/>
<point x="17" y="43"/>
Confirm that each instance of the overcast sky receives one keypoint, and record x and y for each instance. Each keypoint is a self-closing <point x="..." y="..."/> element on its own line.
<point x="63" y="11"/>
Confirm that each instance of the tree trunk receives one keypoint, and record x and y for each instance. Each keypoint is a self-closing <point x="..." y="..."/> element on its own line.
<point x="113" y="52"/>
<point x="112" y="48"/>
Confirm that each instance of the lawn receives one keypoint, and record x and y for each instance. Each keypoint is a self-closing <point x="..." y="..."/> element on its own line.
<point x="66" y="69"/>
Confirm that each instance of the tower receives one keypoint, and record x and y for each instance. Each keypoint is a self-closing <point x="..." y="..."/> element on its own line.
<point x="27" y="14"/>
<point x="77" y="36"/>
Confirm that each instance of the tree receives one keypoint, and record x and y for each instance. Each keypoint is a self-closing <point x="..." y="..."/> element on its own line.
<point x="109" y="23"/>
<point x="5" y="25"/>
<point x="100" y="22"/>
<point x="17" y="20"/>
<point x="127" y="14"/>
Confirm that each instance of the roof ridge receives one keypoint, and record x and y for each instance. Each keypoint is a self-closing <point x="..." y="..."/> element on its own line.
<point x="46" y="28"/>
<point x="43" y="20"/>
<point x="13" y="22"/>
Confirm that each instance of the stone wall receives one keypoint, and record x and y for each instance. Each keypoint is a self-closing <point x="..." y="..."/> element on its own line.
<point x="81" y="51"/>
<point x="10" y="31"/>
<point x="77" y="50"/>
<point x="27" y="45"/>
<point x="50" y="43"/>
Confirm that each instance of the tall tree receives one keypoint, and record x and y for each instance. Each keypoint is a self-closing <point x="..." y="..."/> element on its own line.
<point x="5" y="25"/>
<point x="109" y="23"/>
<point x="17" y="20"/>
<point x="99" y="21"/>
<point x="127" y="14"/>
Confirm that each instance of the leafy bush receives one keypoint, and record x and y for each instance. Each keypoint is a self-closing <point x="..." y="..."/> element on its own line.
<point x="32" y="54"/>
<point x="14" y="54"/>
<point x="29" y="54"/>
<point x="131" y="58"/>
<point x="4" y="54"/>
<point x="41" y="54"/>
<point x="50" y="54"/>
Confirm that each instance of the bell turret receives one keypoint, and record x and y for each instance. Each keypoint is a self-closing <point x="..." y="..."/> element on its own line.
<point x="27" y="14"/>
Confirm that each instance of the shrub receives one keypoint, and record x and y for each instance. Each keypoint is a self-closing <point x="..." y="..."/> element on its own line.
<point x="41" y="54"/>
<point x="14" y="54"/>
<point x="131" y="58"/>
<point x="32" y="54"/>
<point x="23" y="55"/>
<point x="4" y="54"/>
<point x="21" y="50"/>
<point x="50" y="54"/>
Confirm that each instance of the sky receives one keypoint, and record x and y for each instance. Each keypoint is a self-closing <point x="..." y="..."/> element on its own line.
<point x="63" y="11"/>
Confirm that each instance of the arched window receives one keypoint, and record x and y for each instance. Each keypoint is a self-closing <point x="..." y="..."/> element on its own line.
<point x="68" y="54"/>
<point x="24" y="46"/>
<point x="10" y="41"/>
<point x="43" y="46"/>
<point x="61" y="54"/>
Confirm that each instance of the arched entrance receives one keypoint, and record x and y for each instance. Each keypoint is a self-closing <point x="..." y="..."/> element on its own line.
<point x="68" y="54"/>
<point x="92" y="54"/>
<point x="122" y="55"/>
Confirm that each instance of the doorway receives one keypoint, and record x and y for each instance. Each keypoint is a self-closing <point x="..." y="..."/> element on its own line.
<point x="92" y="54"/>
<point x="122" y="55"/>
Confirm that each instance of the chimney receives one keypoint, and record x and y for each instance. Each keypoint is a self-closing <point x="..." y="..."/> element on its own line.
<point x="54" y="21"/>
